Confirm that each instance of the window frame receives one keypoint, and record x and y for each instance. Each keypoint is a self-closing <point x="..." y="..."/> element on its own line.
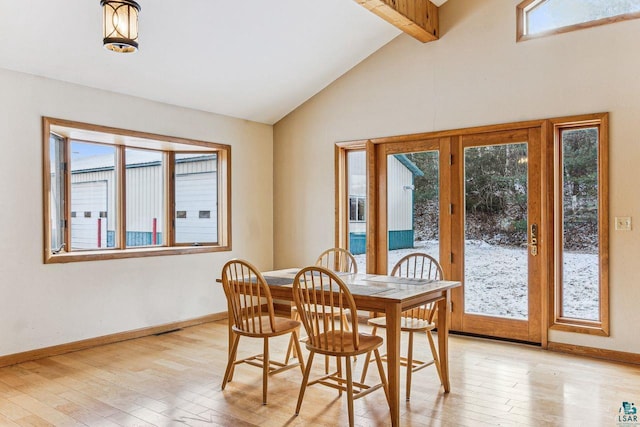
<point x="342" y="198"/>
<point x="526" y="5"/>
<point x="122" y="139"/>
<point x="557" y="321"/>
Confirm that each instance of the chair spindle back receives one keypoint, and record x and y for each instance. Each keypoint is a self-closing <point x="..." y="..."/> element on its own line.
<point x="419" y="266"/>
<point x="318" y="292"/>
<point x="248" y="297"/>
<point x="338" y="259"/>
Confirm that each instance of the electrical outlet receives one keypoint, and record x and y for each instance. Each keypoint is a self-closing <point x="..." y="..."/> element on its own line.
<point x="623" y="223"/>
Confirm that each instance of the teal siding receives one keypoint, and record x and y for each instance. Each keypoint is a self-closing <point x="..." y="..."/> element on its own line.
<point x="357" y="243"/>
<point x="398" y="239"/>
<point x="134" y="238"/>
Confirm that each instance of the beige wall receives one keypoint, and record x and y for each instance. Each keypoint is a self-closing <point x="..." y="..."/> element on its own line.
<point x="44" y="305"/>
<point x="476" y="74"/>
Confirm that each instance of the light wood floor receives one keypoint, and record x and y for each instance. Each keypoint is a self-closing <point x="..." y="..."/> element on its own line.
<point x="174" y="380"/>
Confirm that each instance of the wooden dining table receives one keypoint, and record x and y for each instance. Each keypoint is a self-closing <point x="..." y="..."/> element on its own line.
<point x="389" y="295"/>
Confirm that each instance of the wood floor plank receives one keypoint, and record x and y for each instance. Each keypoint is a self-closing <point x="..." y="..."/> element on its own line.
<point x="174" y="379"/>
<point x="34" y="421"/>
<point x="11" y="410"/>
<point x="43" y="411"/>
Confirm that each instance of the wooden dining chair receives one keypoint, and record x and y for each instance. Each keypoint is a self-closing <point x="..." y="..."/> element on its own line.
<point x="252" y="313"/>
<point x="338" y="259"/>
<point x="318" y="292"/>
<point x="416" y="320"/>
<point x="335" y="259"/>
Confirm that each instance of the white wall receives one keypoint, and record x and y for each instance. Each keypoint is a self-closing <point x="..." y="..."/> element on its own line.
<point x="476" y="74"/>
<point x="44" y="305"/>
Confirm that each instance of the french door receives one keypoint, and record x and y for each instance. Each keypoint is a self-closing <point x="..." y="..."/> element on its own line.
<point x="474" y="202"/>
<point x="496" y="234"/>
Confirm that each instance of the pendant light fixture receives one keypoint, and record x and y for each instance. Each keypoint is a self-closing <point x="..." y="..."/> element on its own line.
<point x="120" y="25"/>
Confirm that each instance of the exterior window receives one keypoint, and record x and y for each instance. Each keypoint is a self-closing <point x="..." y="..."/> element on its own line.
<point x="117" y="196"/>
<point x="581" y="283"/>
<point x="356" y="208"/>
<point x="545" y="17"/>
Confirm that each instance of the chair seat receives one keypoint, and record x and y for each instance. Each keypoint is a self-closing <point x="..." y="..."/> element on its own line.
<point x="281" y="326"/>
<point x="344" y="344"/>
<point x="407" y="324"/>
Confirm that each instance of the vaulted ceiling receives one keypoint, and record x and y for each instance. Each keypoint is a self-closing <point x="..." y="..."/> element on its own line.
<point x="252" y="59"/>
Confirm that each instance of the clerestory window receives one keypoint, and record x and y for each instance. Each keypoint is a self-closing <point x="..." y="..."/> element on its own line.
<point x="536" y="18"/>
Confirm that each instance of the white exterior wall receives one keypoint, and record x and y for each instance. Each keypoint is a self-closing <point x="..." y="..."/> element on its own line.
<point x="399" y="200"/>
<point x="90" y="198"/>
<point x="476" y="74"/>
<point x="98" y="176"/>
<point x="145" y="198"/>
<point x="45" y="305"/>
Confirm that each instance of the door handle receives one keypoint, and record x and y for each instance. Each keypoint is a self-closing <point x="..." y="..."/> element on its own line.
<point x="533" y="235"/>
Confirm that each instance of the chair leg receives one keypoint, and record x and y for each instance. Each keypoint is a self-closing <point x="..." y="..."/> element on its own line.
<point x="228" y="373"/>
<point x="409" y="365"/>
<point x="435" y="355"/>
<point x="265" y="370"/>
<point x="305" y="380"/>
<point x="349" y="390"/>
<point x="296" y="341"/>
<point x="383" y="376"/>
<point x="291" y="350"/>
<point x="365" y="367"/>
<point x="339" y="369"/>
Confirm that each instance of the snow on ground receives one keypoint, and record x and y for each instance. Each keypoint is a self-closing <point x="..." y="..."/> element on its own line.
<point x="496" y="279"/>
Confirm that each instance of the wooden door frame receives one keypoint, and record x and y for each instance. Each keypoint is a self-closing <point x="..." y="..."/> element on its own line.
<point x="529" y="330"/>
<point x="451" y="255"/>
<point x="449" y="140"/>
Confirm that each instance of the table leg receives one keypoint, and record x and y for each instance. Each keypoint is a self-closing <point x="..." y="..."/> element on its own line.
<point x="393" y="313"/>
<point x="443" y="338"/>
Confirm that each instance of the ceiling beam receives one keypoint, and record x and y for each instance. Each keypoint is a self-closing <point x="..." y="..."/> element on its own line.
<point x="418" y="18"/>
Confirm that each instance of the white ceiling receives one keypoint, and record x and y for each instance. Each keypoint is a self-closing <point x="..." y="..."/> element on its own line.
<point x="251" y="59"/>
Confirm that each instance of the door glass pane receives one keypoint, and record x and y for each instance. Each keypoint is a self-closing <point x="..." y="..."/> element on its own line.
<point x="495" y="251"/>
<point x="357" y="192"/>
<point x="196" y="196"/>
<point x="413" y="202"/>
<point x="580" y="249"/>
<point x="145" y="197"/>
<point x="93" y="204"/>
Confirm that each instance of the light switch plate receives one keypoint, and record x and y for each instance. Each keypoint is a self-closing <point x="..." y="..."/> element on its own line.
<point x="623" y="223"/>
